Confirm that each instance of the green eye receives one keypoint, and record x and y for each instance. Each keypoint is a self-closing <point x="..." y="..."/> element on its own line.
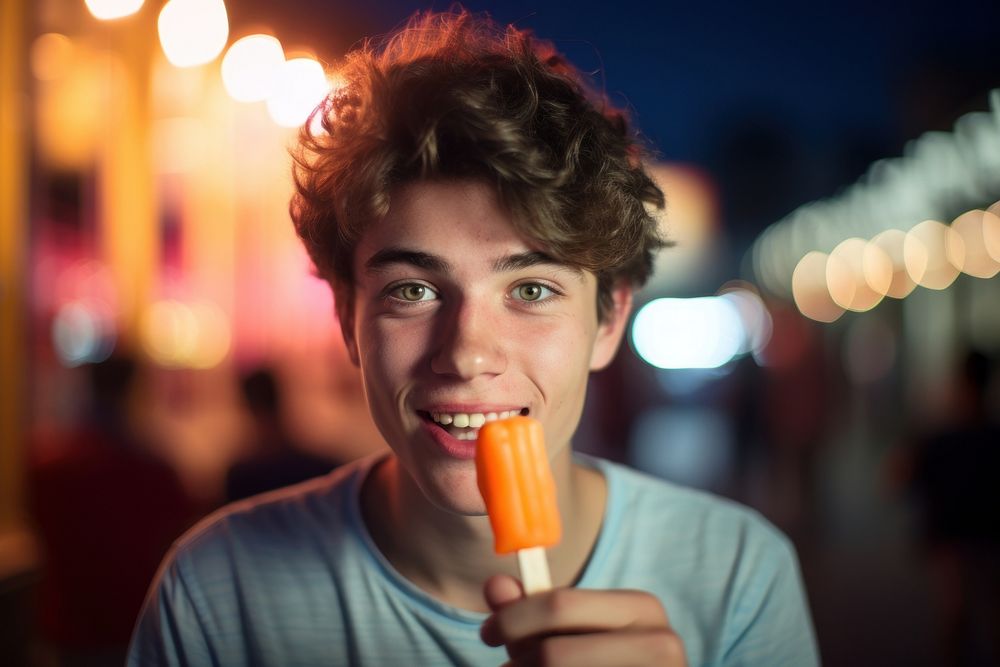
<point x="530" y="292"/>
<point x="413" y="292"/>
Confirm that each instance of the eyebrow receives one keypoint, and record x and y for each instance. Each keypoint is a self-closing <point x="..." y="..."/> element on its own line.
<point x="428" y="262"/>
<point x="524" y="260"/>
<point x="396" y="255"/>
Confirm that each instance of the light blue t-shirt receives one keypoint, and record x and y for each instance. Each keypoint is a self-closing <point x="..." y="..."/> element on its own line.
<point x="293" y="578"/>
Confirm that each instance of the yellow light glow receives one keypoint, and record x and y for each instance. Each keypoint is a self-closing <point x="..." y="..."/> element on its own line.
<point x="810" y="291"/>
<point x="966" y="248"/>
<point x="890" y="245"/>
<point x="926" y="256"/>
<point x="301" y="85"/>
<point x="877" y="267"/>
<point x="169" y="333"/>
<point x="991" y="231"/>
<point x="250" y="66"/>
<point x="71" y="111"/>
<point x="51" y="56"/>
<point x="213" y="335"/>
<point x="178" y="335"/>
<point x="845" y="277"/>
<point x="113" y="9"/>
<point x="193" y="32"/>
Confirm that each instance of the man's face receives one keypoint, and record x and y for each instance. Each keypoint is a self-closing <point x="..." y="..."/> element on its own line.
<point x="457" y="319"/>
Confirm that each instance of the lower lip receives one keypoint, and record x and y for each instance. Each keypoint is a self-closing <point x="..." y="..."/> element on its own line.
<point x="450" y="445"/>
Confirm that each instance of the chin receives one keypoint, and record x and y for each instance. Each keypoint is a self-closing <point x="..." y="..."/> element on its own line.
<point x="454" y="491"/>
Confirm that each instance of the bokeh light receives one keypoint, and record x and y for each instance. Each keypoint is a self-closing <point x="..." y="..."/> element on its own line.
<point x="83" y="332"/>
<point x="971" y="255"/>
<point x="300" y="87"/>
<point x="925" y="252"/>
<point x="250" y="67"/>
<point x="113" y="9"/>
<point x="704" y="332"/>
<point x="889" y="244"/>
<point x="181" y="335"/>
<point x="51" y="56"/>
<point x="809" y="289"/>
<point x="89" y="281"/>
<point x="991" y="233"/>
<point x="757" y="323"/>
<point x="847" y="276"/>
<point x="193" y="32"/>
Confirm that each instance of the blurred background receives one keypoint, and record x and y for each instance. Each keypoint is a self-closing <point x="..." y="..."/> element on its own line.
<point x="821" y="344"/>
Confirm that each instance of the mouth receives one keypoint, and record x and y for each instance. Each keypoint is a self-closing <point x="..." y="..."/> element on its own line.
<point x="465" y="425"/>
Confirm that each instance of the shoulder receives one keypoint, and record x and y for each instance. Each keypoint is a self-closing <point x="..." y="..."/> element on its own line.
<point x="689" y="513"/>
<point x="729" y="578"/>
<point x="275" y="523"/>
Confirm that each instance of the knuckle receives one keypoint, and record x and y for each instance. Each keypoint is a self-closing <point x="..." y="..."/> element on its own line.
<point x="666" y="646"/>
<point x="650" y="608"/>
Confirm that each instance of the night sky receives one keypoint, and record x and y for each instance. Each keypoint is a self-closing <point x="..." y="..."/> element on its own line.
<point x="780" y="103"/>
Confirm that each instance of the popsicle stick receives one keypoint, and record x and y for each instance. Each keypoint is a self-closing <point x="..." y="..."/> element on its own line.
<point x="534" y="570"/>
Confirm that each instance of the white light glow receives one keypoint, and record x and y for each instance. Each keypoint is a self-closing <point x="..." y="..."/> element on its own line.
<point x="888" y="244"/>
<point x="704" y="332"/>
<point x="83" y="332"/>
<point x="973" y="255"/>
<point x="757" y="322"/>
<point x="809" y="289"/>
<point x="250" y="67"/>
<point x="848" y="279"/>
<point x="926" y="251"/>
<point x="193" y="32"/>
<point x="300" y="87"/>
<point x="113" y="9"/>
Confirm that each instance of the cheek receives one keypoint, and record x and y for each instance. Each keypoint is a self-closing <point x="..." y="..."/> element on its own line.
<point x="560" y="360"/>
<point x="390" y="351"/>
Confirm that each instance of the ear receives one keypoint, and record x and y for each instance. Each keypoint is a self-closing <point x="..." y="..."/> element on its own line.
<point x="344" y="304"/>
<point x="611" y="329"/>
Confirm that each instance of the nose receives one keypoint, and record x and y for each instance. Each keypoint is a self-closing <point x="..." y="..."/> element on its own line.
<point x="470" y="343"/>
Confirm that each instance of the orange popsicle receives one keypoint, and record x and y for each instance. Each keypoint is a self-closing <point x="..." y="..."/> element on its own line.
<point x="512" y="469"/>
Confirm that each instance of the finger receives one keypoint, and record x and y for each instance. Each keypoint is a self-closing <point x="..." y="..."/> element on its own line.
<point x="573" y="611"/>
<point x="501" y="589"/>
<point x="634" y="647"/>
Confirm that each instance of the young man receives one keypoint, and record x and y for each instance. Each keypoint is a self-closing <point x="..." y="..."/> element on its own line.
<point x="483" y="221"/>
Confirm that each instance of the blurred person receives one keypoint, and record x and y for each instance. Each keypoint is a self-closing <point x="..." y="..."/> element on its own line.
<point x="106" y="511"/>
<point x="483" y="218"/>
<point x="276" y="460"/>
<point x="955" y="481"/>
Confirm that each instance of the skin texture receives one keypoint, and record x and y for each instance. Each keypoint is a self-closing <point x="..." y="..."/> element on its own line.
<point x="454" y="311"/>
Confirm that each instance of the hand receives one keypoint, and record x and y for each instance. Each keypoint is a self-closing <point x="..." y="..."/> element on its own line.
<point x="579" y="627"/>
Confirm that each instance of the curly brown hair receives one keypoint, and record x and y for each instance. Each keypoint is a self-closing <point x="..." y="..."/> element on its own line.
<point x="453" y="95"/>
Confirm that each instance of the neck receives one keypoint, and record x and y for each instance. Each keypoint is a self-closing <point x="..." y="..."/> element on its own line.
<point x="450" y="555"/>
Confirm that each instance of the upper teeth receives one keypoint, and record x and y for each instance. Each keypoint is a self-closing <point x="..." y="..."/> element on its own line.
<point x="470" y="419"/>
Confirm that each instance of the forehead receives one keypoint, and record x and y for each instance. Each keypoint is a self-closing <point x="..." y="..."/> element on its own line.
<point x="461" y="218"/>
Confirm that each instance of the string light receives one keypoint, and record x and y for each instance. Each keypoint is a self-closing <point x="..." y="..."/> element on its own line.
<point x="193" y="32"/>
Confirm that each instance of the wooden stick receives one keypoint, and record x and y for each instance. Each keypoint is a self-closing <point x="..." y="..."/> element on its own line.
<point x="534" y="570"/>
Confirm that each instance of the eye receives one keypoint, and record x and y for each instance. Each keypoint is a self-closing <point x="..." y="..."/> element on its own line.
<point x="532" y="292"/>
<point x="413" y="293"/>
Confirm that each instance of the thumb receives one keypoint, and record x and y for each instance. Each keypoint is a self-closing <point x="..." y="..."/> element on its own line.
<point x="501" y="589"/>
